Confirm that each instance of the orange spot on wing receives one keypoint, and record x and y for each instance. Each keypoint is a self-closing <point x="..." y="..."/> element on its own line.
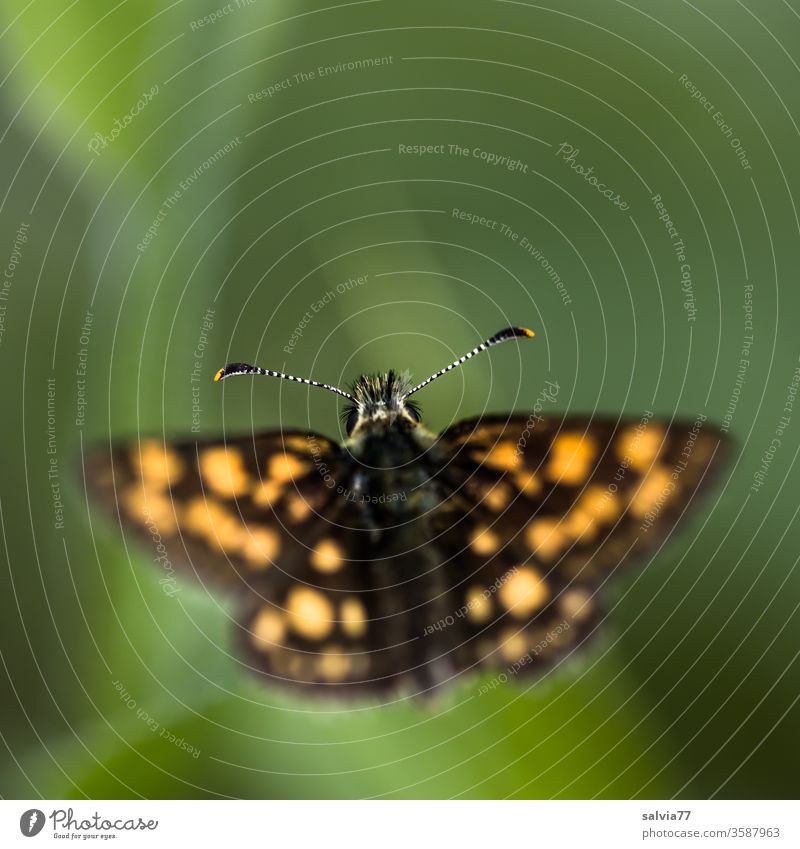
<point x="268" y="628"/>
<point x="524" y="592"/>
<point x="327" y="556"/>
<point x="310" y="613"/>
<point x="286" y="467"/>
<point x="545" y="538"/>
<point x="502" y="456"/>
<point x="571" y="457"/>
<point x="640" y="447"/>
<point x="158" y="464"/>
<point x="483" y="541"/>
<point x="224" y="472"/>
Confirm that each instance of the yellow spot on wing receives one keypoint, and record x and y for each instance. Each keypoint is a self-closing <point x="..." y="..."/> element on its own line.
<point x="497" y="498"/>
<point x="208" y="519"/>
<point x="354" y="617"/>
<point x="580" y="525"/>
<point x="332" y="665"/>
<point x="524" y="592"/>
<point x="571" y="458"/>
<point x="479" y="607"/>
<point x="513" y="645"/>
<point x="266" y="492"/>
<point x="297" y="507"/>
<point x="483" y="541"/>
<point x="268" y="628"/>
<point x="327" y="556"/>
<point x="545" y="538"/>
<point x="157" y="463"/>
<point x="152" y="507"/>
<point x="575" y="604"/>
<point x="601" y="503"/>
<point x="527" y="482"/>
<point x="640" y="447"/>
<point x="224" y="472"/>
<point x="310" y="613"/>
<point x="502" y="456"/>
<point x="218" y="375"/>
<point x="655" y="490"/>
<point x="286" y="467"/>
<point x="299" y="443"/>
<point x="260" y="546"/>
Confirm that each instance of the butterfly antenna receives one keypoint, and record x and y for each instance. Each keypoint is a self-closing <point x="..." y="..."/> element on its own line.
<point x="243" y="368"/>
<point x="502" y="336"/>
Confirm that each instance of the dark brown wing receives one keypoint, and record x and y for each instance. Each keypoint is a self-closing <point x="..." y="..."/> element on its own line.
<point x="277" y="519"/>
<point x="514" y="529"/>
<point x="232" y="512"/>
<point x="542" y="513"/>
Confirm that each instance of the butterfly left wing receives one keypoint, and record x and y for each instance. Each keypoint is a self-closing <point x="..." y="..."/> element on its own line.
<point x="541" y="514"/>
<point x="226" y="511"/>
<point x="277" y="519"/>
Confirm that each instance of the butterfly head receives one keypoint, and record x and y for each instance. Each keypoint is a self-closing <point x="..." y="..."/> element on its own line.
<point x="379" y="401"/>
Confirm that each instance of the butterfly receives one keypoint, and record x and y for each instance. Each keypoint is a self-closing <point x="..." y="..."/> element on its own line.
<point x="401" y="560"/>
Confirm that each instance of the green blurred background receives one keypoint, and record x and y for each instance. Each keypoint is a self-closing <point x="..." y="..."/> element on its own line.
<point x="693" y="691"/>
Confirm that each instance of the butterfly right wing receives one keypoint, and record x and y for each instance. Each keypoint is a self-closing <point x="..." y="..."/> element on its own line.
<point x="538" y="518"/>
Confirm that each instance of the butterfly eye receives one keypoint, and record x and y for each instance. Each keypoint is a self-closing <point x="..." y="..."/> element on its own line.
<point x="352" y="420"/>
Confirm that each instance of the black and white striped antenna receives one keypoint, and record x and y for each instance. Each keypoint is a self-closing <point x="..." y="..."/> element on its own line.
<point x="502" y="336"/>
<point x="243" y="368"/>
<point x="232" y="369"/>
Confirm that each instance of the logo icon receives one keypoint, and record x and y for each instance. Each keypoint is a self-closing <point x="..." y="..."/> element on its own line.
<point x="31" y="822"/>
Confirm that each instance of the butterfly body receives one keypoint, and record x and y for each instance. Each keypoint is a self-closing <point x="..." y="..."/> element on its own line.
<point x="399" y="560"/>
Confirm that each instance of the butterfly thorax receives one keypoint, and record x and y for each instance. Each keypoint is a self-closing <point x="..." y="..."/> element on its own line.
<point x="393" y="456"/>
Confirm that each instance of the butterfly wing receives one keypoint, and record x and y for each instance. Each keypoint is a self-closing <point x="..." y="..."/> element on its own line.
<point x="278" y="520"/>
<point x="512" y="527"/>
<point x="231" y="511"/>
<point x="541" y="514"/>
